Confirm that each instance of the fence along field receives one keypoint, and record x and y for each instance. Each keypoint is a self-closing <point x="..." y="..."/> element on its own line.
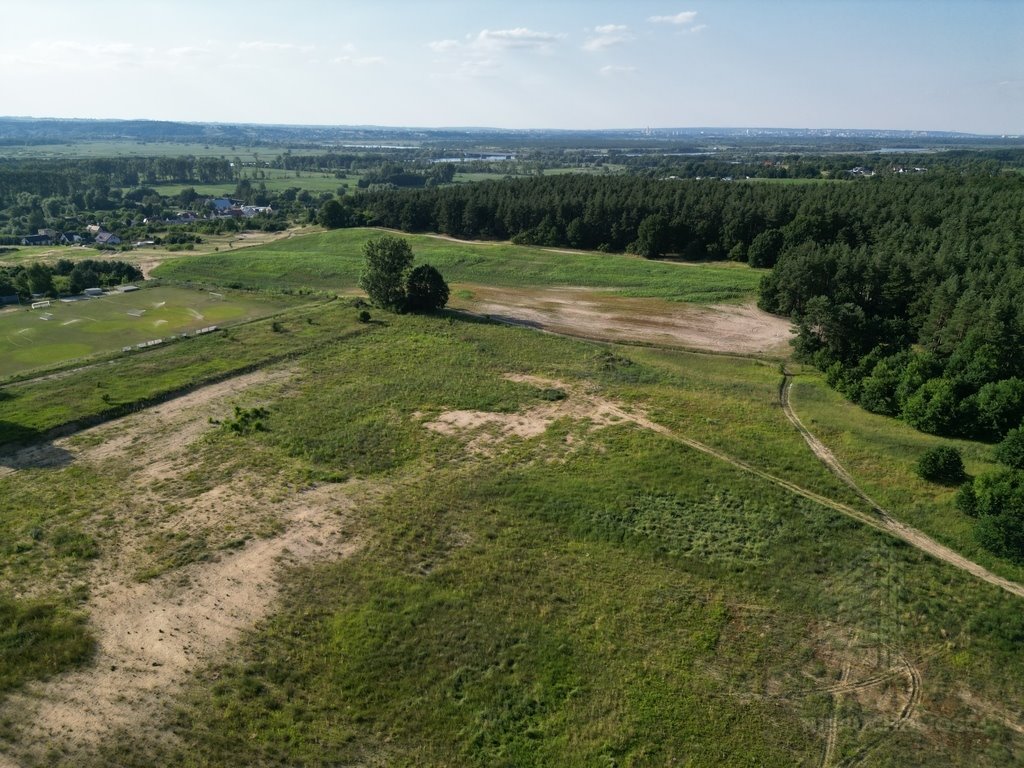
<point x="54" y="334"/>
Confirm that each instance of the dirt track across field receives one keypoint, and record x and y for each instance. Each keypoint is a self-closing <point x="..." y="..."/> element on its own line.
<point x="880" y="517"/>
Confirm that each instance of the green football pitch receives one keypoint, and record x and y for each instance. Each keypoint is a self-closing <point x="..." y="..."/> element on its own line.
<point x="64" y="331"/>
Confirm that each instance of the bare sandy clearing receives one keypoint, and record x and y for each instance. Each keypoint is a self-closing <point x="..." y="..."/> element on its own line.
<point x="488" y="428"/>
<point x="729" y="328"/>
<point x="149" y="437"/>
<point x="151" y="635"/>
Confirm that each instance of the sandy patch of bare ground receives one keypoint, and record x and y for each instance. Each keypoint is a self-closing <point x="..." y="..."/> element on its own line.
<point x="149" y="259"/>
<point x="156" y="621"/>
<point x="150" y="437"/>
<point x="485" y="429"/>
<point x="725" y="328"/>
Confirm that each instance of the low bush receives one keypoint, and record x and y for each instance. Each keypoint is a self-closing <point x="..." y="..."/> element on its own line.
<point x="942" y="464"/>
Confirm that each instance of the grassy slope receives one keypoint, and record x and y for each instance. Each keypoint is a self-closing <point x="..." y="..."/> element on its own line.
<point x="622" y="601"/>
<point x="333" y="260"/>
<point x="882" y="454"/>
<point x="31" y="409"/>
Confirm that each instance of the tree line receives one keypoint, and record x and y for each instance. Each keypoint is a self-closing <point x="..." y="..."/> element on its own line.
<point x="66" y="276"/>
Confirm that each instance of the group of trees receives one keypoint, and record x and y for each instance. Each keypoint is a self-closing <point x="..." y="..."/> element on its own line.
<point x="393" y="283"/>
<point x="69" y="177"/>
<point x="919" y="319"/>
<point x="65" y="276"/>
<point x="397" y="175"/>
<point x="995" y="500"/>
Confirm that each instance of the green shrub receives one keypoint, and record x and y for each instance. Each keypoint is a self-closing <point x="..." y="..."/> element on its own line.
<point x="942" y="464"/>
<point x="1011" y="451"/>
<point x="247" y="420"/>
<point x="997" y="500"/>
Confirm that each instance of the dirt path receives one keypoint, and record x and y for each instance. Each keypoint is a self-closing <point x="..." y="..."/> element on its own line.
<point x="832" y="732"/>
<point x="914" y="693"/>
<point x="880" y="518"/>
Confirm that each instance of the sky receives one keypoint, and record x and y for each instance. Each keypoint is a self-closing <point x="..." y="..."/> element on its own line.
<point x="584" y="64"/>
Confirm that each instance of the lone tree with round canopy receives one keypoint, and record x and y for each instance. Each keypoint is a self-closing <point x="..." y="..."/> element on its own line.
<point x="425" y="290"/>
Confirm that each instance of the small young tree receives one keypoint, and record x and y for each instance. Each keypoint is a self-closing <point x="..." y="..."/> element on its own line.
<point x="388" y="260"/>
<point x="942" y="464"/>
<point x="425" y="290"/>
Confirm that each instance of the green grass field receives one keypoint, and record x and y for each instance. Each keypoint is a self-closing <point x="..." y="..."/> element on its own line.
<point x="41" y="338"/>
<point x="91" y="149"/>
<point x="584" y="596"/>
<point x="576" y="598"/>
<point x="333" y="260"/>
<point x="276" y="180"/>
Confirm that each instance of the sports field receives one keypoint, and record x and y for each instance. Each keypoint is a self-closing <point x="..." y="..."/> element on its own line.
<point x="66" y="331"/>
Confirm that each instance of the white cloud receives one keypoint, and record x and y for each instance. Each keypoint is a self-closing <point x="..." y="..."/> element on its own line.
<point x="481" y="55"/>
<point x="442" y="46"/>
<point x="608" y="35"/>
<point x="358" y="61"/>
<point x="520" y="37"/>
<point x="488" y="41"/>
<point x="611" y="70"/>
<point x="680" y="19"/>
<point x="263" y="46"/>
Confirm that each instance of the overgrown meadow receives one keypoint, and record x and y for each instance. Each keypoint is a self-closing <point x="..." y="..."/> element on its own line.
<point x="587" y="596"/>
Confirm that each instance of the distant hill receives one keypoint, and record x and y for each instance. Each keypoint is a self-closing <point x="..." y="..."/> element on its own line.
<point x="31" y="130"/>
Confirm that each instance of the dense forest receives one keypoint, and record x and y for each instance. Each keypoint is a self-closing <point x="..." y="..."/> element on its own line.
<point x="905" y="288"/>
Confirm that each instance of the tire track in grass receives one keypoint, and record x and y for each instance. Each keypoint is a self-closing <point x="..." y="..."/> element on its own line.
<point x="914" y="694"/>
<point x="832" y="734"/>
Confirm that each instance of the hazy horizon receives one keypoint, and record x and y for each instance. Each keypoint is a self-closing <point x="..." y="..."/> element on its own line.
<point x="947" y="66"/>
<point x="533" y="128"/>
